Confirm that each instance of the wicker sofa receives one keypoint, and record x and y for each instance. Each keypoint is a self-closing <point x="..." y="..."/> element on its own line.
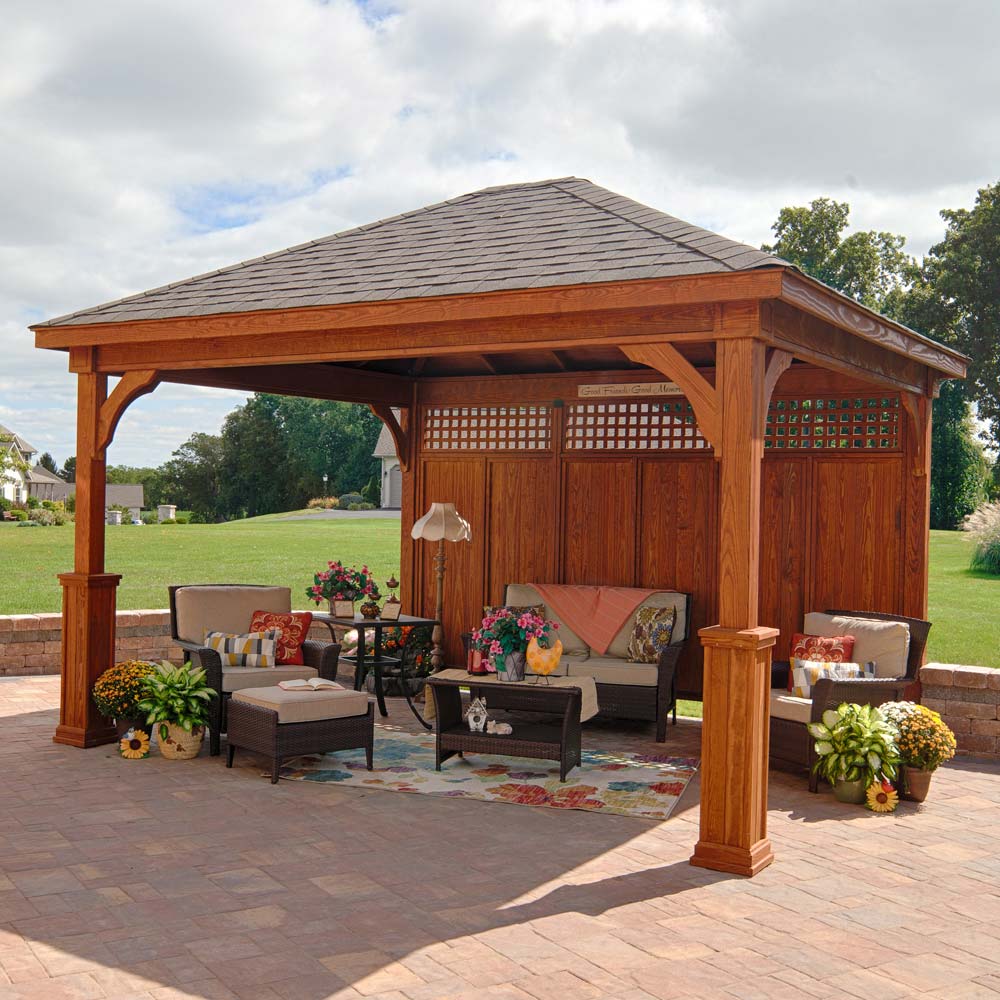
<point x="228" y="608"/>
<point x="624" y="690"/>
<point x="903" y="646"/>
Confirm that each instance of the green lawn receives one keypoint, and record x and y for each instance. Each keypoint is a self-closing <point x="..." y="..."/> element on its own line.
<point x="963" y="605"/>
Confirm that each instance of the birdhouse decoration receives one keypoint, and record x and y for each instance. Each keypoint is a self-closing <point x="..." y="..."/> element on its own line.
<point x="477" y="715"/>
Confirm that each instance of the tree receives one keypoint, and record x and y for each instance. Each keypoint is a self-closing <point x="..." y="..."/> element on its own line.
<point x="69" y="469"/>
<point x="193" y="476"/>
<point x="963" y="271"/>
<point x="960" y="472"/>
<point x="49" y="463"/>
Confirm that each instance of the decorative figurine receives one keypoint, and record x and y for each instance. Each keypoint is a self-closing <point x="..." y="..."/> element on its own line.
<point x="499" y="728"/>
<point x="477" y="716"/>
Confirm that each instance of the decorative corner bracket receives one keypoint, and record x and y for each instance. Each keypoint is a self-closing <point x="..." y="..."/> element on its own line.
<point x="918" y="408"/>
<point x="130" y="387"/>
<point x="399" y="434"/>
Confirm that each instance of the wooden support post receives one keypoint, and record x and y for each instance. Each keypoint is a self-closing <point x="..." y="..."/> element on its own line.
<point x="88" y="646"/>
<point x="733" y="833"/>
<point x="916" y="534"/>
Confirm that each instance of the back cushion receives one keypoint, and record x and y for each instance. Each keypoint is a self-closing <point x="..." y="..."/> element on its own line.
<point x="661" y="599"/>
<point x="887" y="643"/>
<point x="225" y="609"/>
<point x="523" y="594"/>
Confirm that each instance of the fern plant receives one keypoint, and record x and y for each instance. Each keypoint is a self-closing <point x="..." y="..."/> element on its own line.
<point x="177" y="696"/>
<point x="855" y="742"/>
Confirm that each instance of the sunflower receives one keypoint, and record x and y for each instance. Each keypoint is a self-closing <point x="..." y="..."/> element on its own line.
<point x="882" y="797"/>
<point x="135" y="745"/>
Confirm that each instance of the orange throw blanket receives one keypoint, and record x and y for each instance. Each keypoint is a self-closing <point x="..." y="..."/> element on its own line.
<point x="596" y="614"/>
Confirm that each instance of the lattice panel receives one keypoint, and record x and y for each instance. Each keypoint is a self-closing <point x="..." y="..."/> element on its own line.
<point x="632" y="426"/>
<point x="487" y="428"/>
<point x="869" y="423"/>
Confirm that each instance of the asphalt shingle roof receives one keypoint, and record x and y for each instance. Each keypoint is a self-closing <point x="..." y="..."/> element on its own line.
<point x="18" y="441"/>
<point x="555" y="232"/>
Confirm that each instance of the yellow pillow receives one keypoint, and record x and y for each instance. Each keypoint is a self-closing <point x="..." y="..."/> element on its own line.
<point x="255" y="649"/>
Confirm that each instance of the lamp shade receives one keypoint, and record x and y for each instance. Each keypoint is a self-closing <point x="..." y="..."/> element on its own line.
<point x="442" y="521"/>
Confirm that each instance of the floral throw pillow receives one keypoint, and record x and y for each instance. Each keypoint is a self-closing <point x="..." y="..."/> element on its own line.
<point x="805" y="674"/>
<point x="651" y="634"/>
<point x="820" y="649"/>
<point x="294" y="628"/>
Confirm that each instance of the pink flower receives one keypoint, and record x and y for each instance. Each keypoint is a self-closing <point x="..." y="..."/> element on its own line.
<point x="495" y="648"/>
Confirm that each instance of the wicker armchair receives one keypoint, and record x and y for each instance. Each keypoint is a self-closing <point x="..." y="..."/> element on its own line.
<point x="228" y="608"/>
<point x="791" y="746"/>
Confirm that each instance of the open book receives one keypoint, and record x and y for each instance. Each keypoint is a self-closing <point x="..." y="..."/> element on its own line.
<point x="313" y="684"/>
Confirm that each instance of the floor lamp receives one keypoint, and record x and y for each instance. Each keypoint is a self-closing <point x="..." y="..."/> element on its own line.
<point x="442" y="523"/>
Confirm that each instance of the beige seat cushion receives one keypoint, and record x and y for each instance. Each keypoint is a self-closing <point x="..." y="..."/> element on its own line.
<point x="661" y="599"/>
<point x="306" y="706"/>
<point x="610" y="670"/>
<point x="885" y="643"/>
<point x="219" y="608"/>
<point x="523" y="595"/>
<point x="240" y="678"/>
<point x="784" y="706"/>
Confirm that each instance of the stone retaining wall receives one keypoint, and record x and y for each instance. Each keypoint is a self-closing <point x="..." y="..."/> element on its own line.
<point x="31" y="644"/>
<point x="968" y="699"/>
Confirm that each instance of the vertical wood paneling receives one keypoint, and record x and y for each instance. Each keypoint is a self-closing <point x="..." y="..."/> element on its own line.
<point x="460" y="481"/>
<point x="522" y="498"/>
<point x="599" y="504"/>
<point x="858" y="529"/>
<point x="784" y="546"/>
<point x="676" y="539"/>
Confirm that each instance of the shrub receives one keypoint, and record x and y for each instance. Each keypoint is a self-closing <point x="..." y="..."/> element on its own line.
<point x="53" y="505"/>
<point x="19" y="515"/>
<point x="169" y="520"/>
<point x="323" y="503"/>
<point x="33" y="502"/>
<point x="372" y="492"/>
<point x="5" y="504"/>
<point x="29" y="524"/>
<point x="70" y="503"/>
<point x="44" y="517"/>
<point x="984" y="527"/>
<point x="347" y="499"/>
<point x="149" y="517"/>
<point x="183" y="519"/>
<point x="364" y="505"/>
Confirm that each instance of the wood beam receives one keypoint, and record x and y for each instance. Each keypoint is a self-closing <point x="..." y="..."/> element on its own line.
<point x="700" y="393"/>
<point x="400" y="435"/>
<point x="918" y="409"/>
<point x="653" y="293"/>
<point x="316" y="381"/>
<point x="131" y="386"/>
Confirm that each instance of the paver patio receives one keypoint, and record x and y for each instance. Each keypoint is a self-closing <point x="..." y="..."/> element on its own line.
<point x="166" y="879"/>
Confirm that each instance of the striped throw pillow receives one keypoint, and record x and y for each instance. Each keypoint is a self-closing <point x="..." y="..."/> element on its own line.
<point x="255" y="649"/>
<point x="805" y="674"/>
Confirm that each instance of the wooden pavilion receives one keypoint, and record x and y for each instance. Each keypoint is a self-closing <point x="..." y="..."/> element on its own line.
<point x="607" y="393"/>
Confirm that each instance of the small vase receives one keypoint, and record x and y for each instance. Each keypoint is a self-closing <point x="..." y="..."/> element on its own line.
<point x="342" y="608"/>
<point x="370" y="609"/>
<point x="916" y="784"/>
<point x="851" y="792"/>
<point x="179" y="744"/>
<point x="514" y="664"/>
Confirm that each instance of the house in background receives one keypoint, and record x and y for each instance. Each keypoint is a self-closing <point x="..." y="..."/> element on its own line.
<point x="45" y="486"/>
<point x="392" y="474"/>
<point x="14" y="485"/>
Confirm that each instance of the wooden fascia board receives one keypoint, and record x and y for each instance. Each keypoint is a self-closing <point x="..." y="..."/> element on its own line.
<point x="814" y="297"/>
<point x="315" y="381"/>
<point x="650" y="293"/>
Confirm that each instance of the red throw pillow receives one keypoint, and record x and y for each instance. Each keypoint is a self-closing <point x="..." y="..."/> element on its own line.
<point x="293" y="630"/>
<point x="821" y="648"/>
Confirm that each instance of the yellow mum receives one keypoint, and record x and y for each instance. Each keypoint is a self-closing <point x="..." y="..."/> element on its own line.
<point x="882" y="797"/>
<point x="136" y="746"/>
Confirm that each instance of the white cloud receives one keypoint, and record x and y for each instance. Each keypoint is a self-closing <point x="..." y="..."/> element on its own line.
<point x="143" y="143"/>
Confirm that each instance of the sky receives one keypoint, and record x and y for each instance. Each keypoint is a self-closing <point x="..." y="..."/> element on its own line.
<point x="144" y="142"/>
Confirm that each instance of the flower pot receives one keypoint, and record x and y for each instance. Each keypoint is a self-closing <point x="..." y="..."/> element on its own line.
<point x="852" y="792"/>
<point x="179" y="744"/>
<point x="370" y="609"/>
<point x="514" y="664"/>
<point x="916" y="784"/>
<point x="122" y="726"/>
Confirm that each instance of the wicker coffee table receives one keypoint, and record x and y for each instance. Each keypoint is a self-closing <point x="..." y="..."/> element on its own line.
<point x="558" y="740"/>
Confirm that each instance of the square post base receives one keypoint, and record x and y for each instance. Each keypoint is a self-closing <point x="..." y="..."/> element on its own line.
<point x="88" y="649"/>
<point x="733" y="831"/>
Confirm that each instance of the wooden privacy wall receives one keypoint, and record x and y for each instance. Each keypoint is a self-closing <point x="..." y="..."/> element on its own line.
<point x="624" y="491"/>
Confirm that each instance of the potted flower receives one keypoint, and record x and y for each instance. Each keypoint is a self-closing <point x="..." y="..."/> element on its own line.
<point x="341" y="586"/>
<point x="925" y="742"/>
<point x="855" y="747"/>
<point x="177" y="699"/>
<point x="505" y="634"/>
<point x="118" y="691"/>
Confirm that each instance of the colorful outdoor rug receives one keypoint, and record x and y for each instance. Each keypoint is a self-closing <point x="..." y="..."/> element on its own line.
<point x="641" y="785"/>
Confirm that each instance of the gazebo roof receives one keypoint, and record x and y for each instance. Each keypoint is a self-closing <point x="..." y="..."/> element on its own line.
<point x="519" y="236"/>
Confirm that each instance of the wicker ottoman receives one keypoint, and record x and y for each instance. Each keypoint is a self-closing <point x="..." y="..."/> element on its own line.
<point x="279" y="724"/>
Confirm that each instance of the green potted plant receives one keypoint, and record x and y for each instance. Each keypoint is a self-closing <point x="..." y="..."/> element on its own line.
<point x="177" y="699"/>
<point x="117" y="693"/>
<point x="504" y="635"/>
<point x="855" y="746"/>
<point x="925" y="742"/>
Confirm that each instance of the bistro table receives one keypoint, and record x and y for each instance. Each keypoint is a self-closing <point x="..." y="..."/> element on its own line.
<point x="378" y="659"/>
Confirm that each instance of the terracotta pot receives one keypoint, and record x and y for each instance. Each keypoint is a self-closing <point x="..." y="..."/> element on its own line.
<point x="916" y="784"/>
<point x="851" y="792"/>
<point x="179" y="744"/>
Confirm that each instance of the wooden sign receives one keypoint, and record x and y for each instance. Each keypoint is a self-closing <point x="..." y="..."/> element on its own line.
<point x="629" y="389"/>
